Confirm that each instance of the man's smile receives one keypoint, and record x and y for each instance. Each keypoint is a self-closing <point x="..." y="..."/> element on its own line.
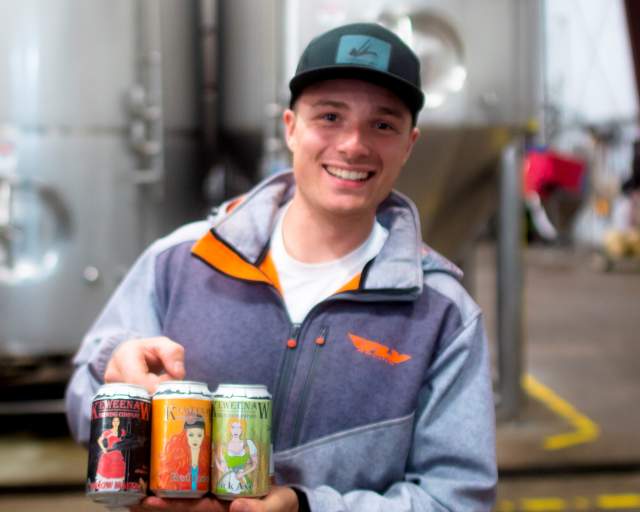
<point x="348" y="174"/>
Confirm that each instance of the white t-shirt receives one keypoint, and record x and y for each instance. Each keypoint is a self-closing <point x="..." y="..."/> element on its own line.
<point x="306" y="284"/>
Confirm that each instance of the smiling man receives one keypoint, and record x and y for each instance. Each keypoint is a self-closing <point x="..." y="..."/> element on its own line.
<point x="318" y="285"/>
<point x="349" y="141"/>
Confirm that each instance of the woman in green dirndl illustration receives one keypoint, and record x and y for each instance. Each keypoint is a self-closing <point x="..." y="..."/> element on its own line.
<point x="235" y="460"/>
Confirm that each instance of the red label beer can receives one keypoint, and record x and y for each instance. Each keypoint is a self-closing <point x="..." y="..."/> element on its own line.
<point x="181" y="440"/>
<point x="118" y="468"/>
<point x="241" y="441"/>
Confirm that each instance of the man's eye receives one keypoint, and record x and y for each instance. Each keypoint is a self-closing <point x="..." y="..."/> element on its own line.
<point x="381" y="125"/>
<point x="330" y="116"/>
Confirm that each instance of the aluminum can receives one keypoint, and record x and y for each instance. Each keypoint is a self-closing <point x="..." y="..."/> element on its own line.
<point x="241" y="441"/>
<point x="181" y="439"/>
<point x="118" y="468"/>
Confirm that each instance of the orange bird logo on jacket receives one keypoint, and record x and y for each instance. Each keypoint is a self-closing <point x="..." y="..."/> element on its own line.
<point x="378" y="350"/>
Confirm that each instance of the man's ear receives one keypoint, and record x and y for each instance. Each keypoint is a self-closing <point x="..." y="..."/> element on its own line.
<point x="289" y="120"/>
<point x="413" y="137"/>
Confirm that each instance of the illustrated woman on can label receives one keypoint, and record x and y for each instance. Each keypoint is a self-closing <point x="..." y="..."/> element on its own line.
<point x="118" y="465"/>
<point x="236" y="460"/>
<point x="111" y="466"/>
<point x="185" y="460"/>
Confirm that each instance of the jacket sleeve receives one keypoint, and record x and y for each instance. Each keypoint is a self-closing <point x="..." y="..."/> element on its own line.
<point x="451" y="465"/>
<point x="132" y="312"/>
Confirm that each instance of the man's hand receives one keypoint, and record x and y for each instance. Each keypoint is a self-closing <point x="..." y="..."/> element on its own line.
<point x="201" y="505"/>
<point x="279" y="499"/>
<point x="146" y="362"/>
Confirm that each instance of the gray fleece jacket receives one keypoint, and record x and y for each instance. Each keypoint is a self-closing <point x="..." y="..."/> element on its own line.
<point x="382" y="395"/>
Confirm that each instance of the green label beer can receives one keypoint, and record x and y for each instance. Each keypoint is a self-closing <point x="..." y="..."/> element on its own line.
<point x="241" y="441"/>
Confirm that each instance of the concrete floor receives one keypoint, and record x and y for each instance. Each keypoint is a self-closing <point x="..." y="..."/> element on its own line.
<point x="49" y="502"/>
<point x="576" y="443"/>
<point x="41" y="462"/>
<point x="562" y="493"/>
<point x="582" y="355"/>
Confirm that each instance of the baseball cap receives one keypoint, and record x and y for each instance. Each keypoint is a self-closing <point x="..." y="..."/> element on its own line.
<point x="363" y="51"/>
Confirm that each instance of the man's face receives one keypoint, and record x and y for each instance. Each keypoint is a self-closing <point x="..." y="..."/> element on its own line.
<point x="349" y="141"/>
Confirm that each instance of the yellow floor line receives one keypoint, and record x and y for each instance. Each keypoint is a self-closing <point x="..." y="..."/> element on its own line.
<point x="619" y="501"/>
<point x="602" y="502"/>
<point x="543" y="504"/>
<point x="586" y="431"/>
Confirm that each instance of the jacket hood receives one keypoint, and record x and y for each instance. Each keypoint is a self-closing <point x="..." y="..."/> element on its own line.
<point x="399" y="267"/>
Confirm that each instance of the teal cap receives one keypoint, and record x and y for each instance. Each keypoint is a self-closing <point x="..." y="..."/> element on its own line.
<point x="363" y="51"/>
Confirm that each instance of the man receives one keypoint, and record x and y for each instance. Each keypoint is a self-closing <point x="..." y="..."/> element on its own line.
<point x="317" y="284"/>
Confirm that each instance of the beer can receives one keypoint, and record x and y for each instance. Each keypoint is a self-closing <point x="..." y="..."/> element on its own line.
<point x="241" y="441"/>
<point x="181" y="439"/>
<point x="118" y="468"/>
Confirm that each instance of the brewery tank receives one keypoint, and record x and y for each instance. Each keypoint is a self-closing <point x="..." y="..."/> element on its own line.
<point x="99" y="155"/>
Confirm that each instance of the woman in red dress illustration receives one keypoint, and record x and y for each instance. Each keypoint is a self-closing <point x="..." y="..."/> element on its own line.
<point x="111" y="466"/>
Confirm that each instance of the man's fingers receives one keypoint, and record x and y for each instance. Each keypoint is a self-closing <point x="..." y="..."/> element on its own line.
<point x="171" y="356"/>
<point x="173" y="505"/>
<point x="146" y="362"/>
<point x="280" y="499"/>
<point x="129" y="364"/>
<point x="247" y="505"/>
<point x="112" y="373"/>
<point x="126" y="364"/>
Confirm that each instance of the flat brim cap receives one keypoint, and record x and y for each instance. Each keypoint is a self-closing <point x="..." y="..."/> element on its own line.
<point x="362" y="51"/>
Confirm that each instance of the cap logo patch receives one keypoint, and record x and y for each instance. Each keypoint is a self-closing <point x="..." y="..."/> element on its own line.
<point x="364" y="51"/>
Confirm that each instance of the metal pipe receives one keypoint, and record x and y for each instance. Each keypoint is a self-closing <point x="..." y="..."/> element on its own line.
<point x="543" y="133"/>
<point x="147" y="110"/>
<point x="6" y="224"/>
<point x="510" y="285"/>
<point x="209" y="65"/>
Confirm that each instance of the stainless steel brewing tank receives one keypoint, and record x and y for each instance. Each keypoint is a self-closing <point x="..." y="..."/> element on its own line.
<point x="99" y="108"/>
<point x="479" y="71"/>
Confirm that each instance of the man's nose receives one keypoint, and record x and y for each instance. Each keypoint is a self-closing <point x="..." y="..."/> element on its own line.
<point x="353" y="143"/>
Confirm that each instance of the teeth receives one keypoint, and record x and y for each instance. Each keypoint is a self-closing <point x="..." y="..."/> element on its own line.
<point x="346" y="174"/>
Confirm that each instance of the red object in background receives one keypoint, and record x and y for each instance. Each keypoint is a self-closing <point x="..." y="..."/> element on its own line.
<point x="545" y="171"/>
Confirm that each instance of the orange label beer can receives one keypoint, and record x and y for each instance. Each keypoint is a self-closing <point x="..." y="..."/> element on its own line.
<point x="118" y="468"/>
<point x="241" y="441"/>
<point x="181" y="440"/>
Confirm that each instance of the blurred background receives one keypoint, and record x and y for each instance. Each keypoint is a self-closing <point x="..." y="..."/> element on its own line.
<point x="121" y="120"/>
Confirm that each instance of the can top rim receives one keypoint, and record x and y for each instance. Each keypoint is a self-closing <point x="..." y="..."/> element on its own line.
<point x="242" y="386"/>
<point x="124" y="388"/>
<point x="182" y="388"/>
<point x="258" y="391"/>
<point x="167" y="383"/>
